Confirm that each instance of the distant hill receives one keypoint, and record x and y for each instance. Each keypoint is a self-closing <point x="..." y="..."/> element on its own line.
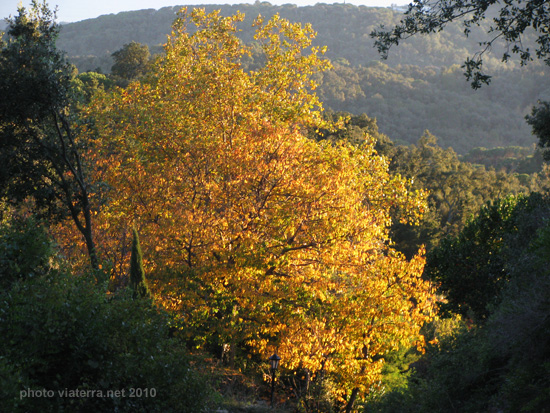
<point x="344" y="28"/>
<point x="419" y="87"/>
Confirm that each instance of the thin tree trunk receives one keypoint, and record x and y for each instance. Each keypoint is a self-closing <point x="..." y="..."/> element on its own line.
<point x="351" y="400"/>
<point x="232" y="353"/>
<point x="72" y="160"/>
<point x="88" y="233"/>
<point x="90" y="247"/>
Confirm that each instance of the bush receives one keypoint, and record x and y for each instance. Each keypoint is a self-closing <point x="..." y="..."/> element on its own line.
<point x="61" y="334"/>
<point x="25" y="251"/>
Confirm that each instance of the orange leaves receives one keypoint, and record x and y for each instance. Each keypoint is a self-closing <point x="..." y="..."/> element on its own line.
<point x="247" y="223"/>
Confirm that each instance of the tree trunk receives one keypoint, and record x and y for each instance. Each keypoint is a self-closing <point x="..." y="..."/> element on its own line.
<point x="351" y="400"/>
<point x="88" y="236"/>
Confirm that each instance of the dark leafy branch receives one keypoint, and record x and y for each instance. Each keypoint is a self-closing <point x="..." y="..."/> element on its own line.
<point x="509" y="23"/>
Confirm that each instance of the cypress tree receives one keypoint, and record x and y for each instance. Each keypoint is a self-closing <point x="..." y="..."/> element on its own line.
<point x="138" y="283"/>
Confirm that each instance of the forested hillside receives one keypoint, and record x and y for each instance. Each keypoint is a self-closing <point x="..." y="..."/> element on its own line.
<point x="420" y="87"/>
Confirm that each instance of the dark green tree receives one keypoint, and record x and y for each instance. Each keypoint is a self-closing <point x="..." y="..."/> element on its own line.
<point x="40" y="151"/>
<point x="473" y="268"/>
<point x="510" y="20"/>
<point x="540" y="123"/>
<point x="131" y="61"/>
<point x="138" y="283"/>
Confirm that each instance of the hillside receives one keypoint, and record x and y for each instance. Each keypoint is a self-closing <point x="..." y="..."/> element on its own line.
<point x="419" y="87"/>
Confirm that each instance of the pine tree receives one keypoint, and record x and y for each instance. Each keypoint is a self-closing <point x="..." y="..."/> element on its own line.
<point x="138" y="283"/>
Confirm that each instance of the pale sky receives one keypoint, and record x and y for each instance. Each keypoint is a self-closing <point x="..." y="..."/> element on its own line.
<point x="76" y="10"/>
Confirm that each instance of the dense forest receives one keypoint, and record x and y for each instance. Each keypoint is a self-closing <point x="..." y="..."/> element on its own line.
<point x="176" y="217"/>
<point x="420" y="87"/>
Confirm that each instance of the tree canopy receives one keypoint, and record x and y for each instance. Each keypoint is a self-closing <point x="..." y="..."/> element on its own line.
<point x="131" y="61"/>
<point x="540" y="123"/>
<point x="260" y="236"/>
<point x="265" y="225"/>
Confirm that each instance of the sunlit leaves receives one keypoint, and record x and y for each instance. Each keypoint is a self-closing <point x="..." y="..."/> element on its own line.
<point x="255" y="233"/>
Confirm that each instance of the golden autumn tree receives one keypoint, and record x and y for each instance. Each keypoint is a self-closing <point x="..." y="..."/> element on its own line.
<point x="256" y="234"/>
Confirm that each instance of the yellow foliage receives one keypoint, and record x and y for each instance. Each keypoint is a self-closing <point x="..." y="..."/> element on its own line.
<point x="253" y="231"/>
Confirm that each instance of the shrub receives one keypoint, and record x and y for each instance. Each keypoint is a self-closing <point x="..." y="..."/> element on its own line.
<point x="25" y="251"/>
<point x="60" y="333"/>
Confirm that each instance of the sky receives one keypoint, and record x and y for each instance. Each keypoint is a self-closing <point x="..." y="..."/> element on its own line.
<point x="76" y="10"/>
